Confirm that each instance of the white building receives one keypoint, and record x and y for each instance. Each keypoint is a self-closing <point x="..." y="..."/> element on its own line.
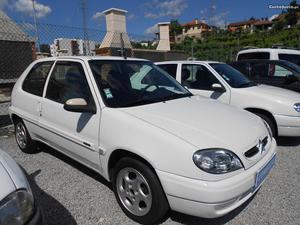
<point x="71" y="47"/>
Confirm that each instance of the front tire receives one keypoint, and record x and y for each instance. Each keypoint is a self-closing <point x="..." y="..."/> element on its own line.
<point x="23" y="139"/>
<point x="139" y="192"/>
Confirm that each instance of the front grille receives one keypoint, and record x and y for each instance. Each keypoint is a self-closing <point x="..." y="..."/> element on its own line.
<point x="253" y="151"/>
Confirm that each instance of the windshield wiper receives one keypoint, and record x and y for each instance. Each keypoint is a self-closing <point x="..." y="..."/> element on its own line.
<point x="175" y="96"/>
<point x="154" y="100"/>
<point x="248" y="84"/>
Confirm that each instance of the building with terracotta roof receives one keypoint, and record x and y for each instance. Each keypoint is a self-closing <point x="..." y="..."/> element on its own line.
<point x="243" y="25"/>
<point x="251" y="25"/>
<point x="195" y="28"/>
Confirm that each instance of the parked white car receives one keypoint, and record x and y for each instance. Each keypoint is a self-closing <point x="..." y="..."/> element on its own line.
<point x="160" y="146"/>
<point x="291" y="55"/>
<point x="280" y="108"/>
<point x="17" y="204"/>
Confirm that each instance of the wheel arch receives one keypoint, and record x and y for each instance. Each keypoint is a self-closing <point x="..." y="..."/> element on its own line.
<point x="118" y="154"/>
<point x="15" y="118"/>
<point x="264" y="112"/>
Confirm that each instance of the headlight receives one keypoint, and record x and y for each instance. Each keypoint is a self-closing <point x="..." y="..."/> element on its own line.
<point x="17" y="208"/>
<point x="217" y="161"/>
<point x="297" y="107"/>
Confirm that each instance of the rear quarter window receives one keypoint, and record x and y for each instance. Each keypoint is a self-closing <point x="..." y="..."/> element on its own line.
<point x="35" y="80"/>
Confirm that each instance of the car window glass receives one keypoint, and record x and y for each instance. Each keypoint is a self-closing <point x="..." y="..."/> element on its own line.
<point x="68" y="81"/>
<point x="242" y="67"/>
<point x="197" y="77"/>
<point x="259" y="70"/>
<point x="278" y="71"/>
<point x="254" y="55"/>
<point x="294" y="58"/>
<point x="36" y="78"/>
<point x="170" y="69"/>
<point x="127" y="83"/>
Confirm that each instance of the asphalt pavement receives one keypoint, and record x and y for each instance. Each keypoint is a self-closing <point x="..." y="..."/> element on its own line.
<point x="69" y="193"/>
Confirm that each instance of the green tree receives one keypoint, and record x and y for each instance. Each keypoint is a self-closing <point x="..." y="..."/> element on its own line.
<point x="291" y="15"/>
<point x="175" y="27"/>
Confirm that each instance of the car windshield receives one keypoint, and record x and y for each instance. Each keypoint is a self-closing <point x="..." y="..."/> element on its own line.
<point x="126" y="83"/>
<point x="291" y="65"/>
<point x="232" y="76"/>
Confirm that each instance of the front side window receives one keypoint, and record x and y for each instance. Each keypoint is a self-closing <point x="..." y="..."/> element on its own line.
<point x="197" y="77"/>
<point x="36" y="78"/>
<point x="68" y="81"/>
<point x="126" y="83"/>
<point x="232" y="76"/>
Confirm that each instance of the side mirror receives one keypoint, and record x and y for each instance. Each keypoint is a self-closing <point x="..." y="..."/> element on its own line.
<point x="218" y="87"/>
<point x="79" y="105"/>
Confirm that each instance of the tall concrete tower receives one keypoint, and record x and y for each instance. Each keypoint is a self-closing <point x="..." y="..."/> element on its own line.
<point x="164" y="36"/>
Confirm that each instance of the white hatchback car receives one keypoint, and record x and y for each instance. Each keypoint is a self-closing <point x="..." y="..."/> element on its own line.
<point x="160" y="146"/>
<point x="280" y="108"/>
<point x="17" y="204"/>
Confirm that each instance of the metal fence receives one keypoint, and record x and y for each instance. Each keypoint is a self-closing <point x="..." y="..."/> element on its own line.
<point x="23" y="42"/>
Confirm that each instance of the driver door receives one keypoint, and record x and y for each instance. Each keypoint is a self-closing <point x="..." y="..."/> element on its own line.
<point x="199" y="80"/>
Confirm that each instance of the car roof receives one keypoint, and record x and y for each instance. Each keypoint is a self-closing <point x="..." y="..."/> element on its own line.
<point x="88" y="58"/>
<point x="258" y="60"/>
<point x="186" y="61"/>
<point x="279" y="50"/>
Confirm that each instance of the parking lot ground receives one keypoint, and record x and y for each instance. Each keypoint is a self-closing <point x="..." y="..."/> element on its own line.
<point x="69" y="193"/>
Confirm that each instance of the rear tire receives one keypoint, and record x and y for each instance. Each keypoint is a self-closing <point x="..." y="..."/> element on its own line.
<point x="23" y="139"/>
<point x="139" y="192"/>
<point x="270" y="122"/>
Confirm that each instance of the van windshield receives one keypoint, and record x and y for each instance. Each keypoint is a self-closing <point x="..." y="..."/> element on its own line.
<point x="232" y="76"/>
<point x="126" y="83"/>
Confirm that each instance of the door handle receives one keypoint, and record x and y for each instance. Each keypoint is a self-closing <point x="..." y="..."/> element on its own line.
<point x="39" y="108"/>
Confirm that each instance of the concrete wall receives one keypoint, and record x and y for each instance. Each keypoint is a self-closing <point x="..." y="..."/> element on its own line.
<point x="157" y="56"/>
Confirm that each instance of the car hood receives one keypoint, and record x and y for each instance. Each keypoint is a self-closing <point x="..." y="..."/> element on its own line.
<point x="11" y="176"/>
<point x="204" y="123"/>
<point x="275" y="92"/>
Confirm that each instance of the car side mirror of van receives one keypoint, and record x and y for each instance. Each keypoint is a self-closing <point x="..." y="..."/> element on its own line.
<point x="79" y="105"/>
<point x="218" y="87"/>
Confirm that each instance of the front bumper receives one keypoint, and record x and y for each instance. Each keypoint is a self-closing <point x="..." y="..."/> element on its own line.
<point x="212" y="199"/>
<point x="288" y="125"/>
<point x="37" y="218"/>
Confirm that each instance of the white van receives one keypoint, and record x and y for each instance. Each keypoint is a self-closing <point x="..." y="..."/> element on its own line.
<point x="291" y="55"/>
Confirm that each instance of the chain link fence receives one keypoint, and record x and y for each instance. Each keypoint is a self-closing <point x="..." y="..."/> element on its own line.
<point x="23" y="42"/>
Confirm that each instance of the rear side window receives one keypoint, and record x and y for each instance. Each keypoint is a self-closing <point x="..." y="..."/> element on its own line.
<point x="254" y="55"/>
<point x="68" y="81"/>
<point x="259" y="70"/>
<point x="170" y="69"/>
<point x="36" y="78"/>
<point x="244" y="68"/>
<point x="290" y="57"/>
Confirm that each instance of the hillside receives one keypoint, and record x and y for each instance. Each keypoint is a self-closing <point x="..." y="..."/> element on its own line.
<point x="223" y="45"/>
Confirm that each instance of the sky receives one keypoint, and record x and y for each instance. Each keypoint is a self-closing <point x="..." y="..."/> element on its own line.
<point x="142" y="15"/>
